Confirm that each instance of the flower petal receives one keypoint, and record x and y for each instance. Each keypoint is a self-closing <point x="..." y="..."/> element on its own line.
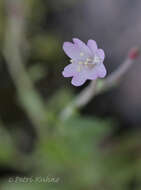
<point x="101" y="70"/>
<point x="69" y="70"/>
<point x="71" y="50"/>
<point x="83" y="47"/>
<point x="92" y="75"/>
<point x="92" y="45"/>
<point x="78" y="80"/>
<point x="101" y="54"/>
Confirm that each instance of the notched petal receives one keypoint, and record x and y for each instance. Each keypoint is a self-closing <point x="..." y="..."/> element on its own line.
<point x="69" y="70"/>
<point x="78" y="80"/>
<point x="71" y="50"/>
<point x="92" y="45"/>
<point x="101" y="54"/>
<point x="101" y="70"/>
<point x="82" y="46"/>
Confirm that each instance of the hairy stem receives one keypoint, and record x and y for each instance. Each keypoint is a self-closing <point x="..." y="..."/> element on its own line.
<point x="14" y="40"/>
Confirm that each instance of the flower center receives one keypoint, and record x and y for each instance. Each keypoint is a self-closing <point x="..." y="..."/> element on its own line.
<point x="87" y="63"/>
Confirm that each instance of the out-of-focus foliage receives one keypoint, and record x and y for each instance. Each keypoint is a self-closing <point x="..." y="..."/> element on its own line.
<point x="2" y="21"/>
<point x="7" y="149"/>
<point x="78" y="151"/>
<point x="46" y="48"/>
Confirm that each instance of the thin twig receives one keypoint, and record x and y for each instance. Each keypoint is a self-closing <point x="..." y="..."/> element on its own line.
<point x="97" y="87"/>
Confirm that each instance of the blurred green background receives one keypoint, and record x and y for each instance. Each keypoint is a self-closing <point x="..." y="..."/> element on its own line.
<point x="98" y="147"/>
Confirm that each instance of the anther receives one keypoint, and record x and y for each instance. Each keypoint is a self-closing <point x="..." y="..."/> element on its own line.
<point x="96" y="59"/>
<point x="81" y="54"/>
<point x="80" y="62"/>
<point x="79" y="68"/>
<point x="88" y="60"/>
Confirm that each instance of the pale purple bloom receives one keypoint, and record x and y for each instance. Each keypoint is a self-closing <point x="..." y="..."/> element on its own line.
<point x="86" y="61"/>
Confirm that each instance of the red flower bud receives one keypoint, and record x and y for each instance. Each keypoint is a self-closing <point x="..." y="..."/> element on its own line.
<point x="134" y="53"/>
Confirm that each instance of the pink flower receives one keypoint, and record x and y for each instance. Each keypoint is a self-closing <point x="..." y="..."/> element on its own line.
<point x="86" y="61"/>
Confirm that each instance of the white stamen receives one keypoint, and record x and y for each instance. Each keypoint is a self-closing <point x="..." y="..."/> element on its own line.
<point x="88" y="60"/>
<point x="97" y="59"/>
<point x="81" y="54"/>
<point x="79" y="68"/>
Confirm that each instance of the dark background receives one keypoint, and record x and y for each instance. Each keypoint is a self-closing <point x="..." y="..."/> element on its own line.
<point x="115" y="25"/>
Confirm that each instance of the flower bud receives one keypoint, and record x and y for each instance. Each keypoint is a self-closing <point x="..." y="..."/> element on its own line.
<point x="134" y="53"/>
